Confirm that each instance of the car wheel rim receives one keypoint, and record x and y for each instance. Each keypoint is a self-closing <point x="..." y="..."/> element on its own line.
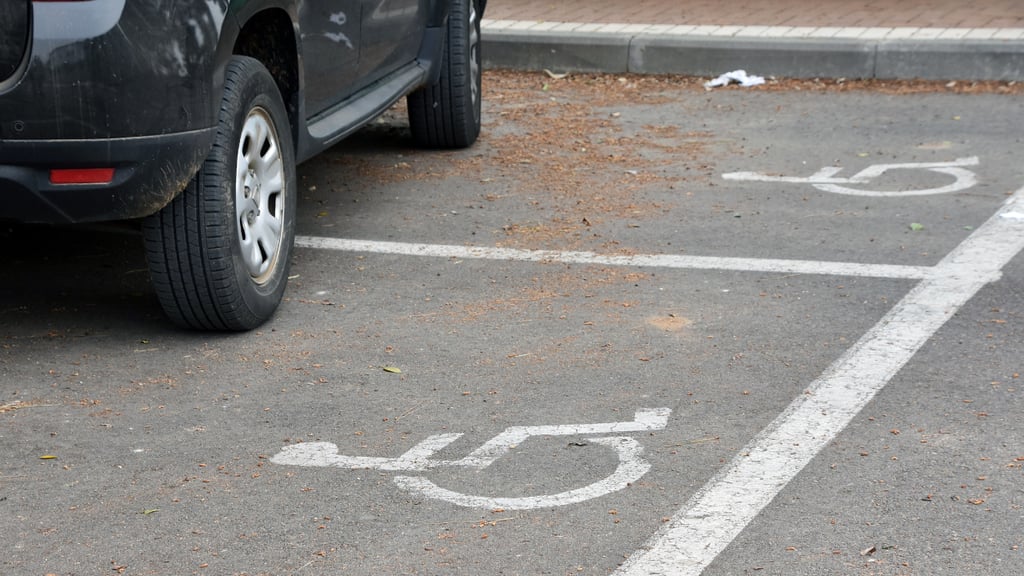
<point x="259" y="195"/>
<point x="474" y="56"/>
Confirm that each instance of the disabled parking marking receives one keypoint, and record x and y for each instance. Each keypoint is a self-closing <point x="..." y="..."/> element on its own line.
<point x="631" y="465"/>
<point x="826" y="180"/>
<point x="631" y="468"/>
<point x="721" y="509"/>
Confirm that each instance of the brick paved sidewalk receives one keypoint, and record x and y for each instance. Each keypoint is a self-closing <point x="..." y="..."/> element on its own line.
<point x="962" y="14"/>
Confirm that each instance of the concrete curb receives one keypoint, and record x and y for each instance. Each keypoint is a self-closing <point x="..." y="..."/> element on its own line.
<point x="693" y="55"/>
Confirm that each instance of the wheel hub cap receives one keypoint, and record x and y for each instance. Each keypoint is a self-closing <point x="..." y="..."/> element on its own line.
<point x="259" y="196"/>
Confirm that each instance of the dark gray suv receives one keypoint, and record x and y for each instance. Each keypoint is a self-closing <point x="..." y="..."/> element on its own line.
<point x="192" y="115"/>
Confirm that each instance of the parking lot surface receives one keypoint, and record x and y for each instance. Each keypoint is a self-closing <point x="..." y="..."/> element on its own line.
<point x="640" y="328"/>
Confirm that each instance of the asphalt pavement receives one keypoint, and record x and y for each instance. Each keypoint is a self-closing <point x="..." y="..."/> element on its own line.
<point x="639" y="328"/>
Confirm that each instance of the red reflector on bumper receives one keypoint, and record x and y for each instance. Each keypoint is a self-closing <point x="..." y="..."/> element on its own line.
<point x="82" y="176"/>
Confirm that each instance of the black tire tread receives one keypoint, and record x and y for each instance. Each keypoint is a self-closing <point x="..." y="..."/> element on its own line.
<point x="442" y="115"/>
<point x="189" y="243"/>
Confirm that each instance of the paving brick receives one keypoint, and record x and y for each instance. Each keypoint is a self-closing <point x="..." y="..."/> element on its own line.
<point x="816" y="13"/>
<point x="935" y="39"/>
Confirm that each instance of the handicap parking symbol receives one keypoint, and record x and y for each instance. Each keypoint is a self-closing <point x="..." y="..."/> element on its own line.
<point x="827" y="179"/>
<point x="631" y="464"/>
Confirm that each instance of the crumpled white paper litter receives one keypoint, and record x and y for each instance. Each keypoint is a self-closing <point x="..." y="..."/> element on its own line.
<point x="739" y="76"/>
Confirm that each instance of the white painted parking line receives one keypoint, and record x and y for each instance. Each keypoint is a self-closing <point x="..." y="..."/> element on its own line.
<point x="639" y="260"/>
<point x="720" y="510"/>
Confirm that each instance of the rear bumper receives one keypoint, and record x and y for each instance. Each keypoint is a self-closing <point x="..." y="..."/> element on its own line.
<point x="148" y="173"/>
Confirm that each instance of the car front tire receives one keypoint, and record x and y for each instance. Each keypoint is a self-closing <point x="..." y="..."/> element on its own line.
<point x="219" y="252"/>
<point x="446" y="114"/>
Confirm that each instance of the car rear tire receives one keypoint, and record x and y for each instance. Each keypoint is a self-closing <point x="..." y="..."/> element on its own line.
<point x="219" y="253"/>
<point x="446" y="114"/>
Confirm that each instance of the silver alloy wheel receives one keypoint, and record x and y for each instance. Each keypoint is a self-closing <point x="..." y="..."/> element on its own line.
<point x="259" y="195"/>
<point x="474" y="55"/>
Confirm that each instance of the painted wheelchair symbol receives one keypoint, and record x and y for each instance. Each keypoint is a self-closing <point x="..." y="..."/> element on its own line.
<point x="826" y="180"/>
<point x="631" y="466"/>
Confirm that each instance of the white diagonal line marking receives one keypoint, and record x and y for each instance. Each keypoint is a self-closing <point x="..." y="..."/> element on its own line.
<point x="720" y="510"/>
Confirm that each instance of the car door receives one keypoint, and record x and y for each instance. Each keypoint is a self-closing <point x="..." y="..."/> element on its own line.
<point x="330" y="51"/>
<point x="392" y="32"/>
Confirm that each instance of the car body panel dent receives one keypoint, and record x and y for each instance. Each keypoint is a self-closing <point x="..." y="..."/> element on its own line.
<point x="392" y="35"/>
<point x="330" y="50"/>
